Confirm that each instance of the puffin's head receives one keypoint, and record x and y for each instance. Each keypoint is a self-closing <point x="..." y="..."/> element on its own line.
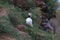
<point x="30" y="14"/>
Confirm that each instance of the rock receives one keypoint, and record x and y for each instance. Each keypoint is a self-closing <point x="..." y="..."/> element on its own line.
<point x="56" y="25"/>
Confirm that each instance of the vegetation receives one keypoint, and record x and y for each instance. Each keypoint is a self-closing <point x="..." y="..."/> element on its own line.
<point x="51" y="7"/>
<point x="17" y="16"/>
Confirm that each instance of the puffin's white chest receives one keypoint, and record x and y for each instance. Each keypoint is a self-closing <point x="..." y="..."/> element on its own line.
<point x="29" y="21"/>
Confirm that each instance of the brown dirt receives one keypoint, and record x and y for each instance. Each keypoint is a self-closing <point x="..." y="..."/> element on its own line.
<point x="22" y="34"/>
<point x="3" y="11"/>
<point x="5" y="37"/>
<point x="20" y="27"/>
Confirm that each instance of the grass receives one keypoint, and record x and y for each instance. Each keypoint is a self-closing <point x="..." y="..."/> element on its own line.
<point x="18" y="16"/>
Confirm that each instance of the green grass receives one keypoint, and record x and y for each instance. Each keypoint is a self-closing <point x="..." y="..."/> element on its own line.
<point x="18" y="16"/>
